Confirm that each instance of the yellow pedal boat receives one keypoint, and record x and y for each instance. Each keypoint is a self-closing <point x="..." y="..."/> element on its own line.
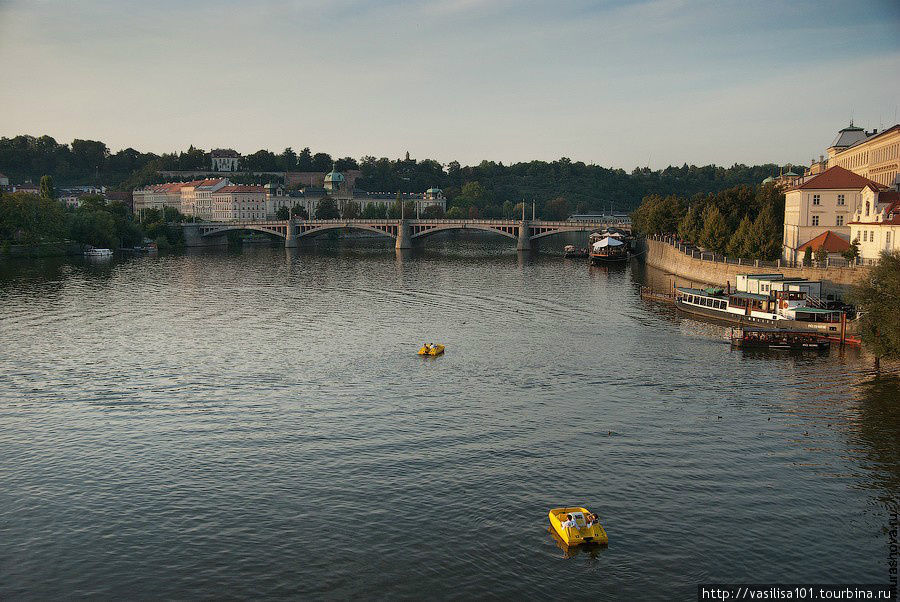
<point x="435" y="349"/>
<point x="575" y="526"/>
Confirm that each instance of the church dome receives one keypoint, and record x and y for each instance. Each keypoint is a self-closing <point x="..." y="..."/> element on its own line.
<point x="334" y="176"/>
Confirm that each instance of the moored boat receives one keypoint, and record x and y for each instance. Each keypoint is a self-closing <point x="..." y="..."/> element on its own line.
<point x="94" y="252"/>
<point x="572" y="251"/>
<point x="779" y="338"/>
<point x="576" y="525"/>
<point x="608" y="249"/>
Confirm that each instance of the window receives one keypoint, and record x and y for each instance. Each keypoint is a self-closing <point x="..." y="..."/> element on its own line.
<point x="865" y="236"/>
<point x="887" y="239"/>
<point x="841" y="199"/>
<point x="839" y="220"/>
<point x="815" y="220"/>
<point x="871" y="235"/>
<point x="867" y="207"/>
<point x="815" y="199"/>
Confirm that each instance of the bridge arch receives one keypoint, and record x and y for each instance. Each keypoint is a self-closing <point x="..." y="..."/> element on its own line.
<point x="276" y="230"/>
<point x="313" y="230"/>
<point x="421" y="231"/>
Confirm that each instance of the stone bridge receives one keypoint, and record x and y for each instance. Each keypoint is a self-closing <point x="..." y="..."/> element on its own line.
<point x="405" y="232"/>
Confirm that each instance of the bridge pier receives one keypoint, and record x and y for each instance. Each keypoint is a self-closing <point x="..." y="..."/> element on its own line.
<point x="404" y="236"/>
<point x="193" y="237"/>
<point x="524" y="242"/>
<point x="290" y="237"/>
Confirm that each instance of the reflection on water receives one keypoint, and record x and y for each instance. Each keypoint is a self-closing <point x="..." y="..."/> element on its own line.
<point x="257" y="421"/>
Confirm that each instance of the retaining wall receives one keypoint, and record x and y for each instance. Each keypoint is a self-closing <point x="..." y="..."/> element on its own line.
<point x="663" y="256"/>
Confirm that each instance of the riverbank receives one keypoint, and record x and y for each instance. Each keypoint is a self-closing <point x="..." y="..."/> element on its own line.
<point x="665" y="256"/>
<point x="50" y="249"/>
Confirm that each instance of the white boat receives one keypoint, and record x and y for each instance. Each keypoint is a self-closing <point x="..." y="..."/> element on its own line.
<point x="94" y="252"/>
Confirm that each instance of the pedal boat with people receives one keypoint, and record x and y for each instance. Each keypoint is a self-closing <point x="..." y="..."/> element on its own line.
<point x="431" y="349"/>
<point x="576" y="526"/>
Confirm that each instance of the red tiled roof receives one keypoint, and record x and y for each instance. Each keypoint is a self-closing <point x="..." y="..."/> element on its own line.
<point x="237" y="188"/>
<point x="837" y="178"/>
<point x="828" y="239"/>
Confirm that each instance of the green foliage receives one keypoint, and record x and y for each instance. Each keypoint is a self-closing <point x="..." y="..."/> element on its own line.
<point x="94" y="227"/>
<point x="327" y="209"/>
<point x="48" y="190"/>
<point x="300" y="211"/>
<point x="808" y="256"/>
<point x="691" y="225"/>
<point x="821" y="255"/>
<point x="375" y="211"/>
<point x="30" y="219"/>
<point x="766" y="238"/>
<point x="876" y="295"/>
<point x="852" y="253"/>
<point x="715" y="234"/>
<point x="456" y="213"/>
<point x="658" y="215"/>
<point x="433" y="212"/>
<point x="741" y="241"/>
<point x="283" y="213"/>
<point x="351" y="210"/>
<point x="556" y="209"/>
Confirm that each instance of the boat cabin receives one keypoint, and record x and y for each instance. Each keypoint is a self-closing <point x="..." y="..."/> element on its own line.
<point x="778" y="338"/>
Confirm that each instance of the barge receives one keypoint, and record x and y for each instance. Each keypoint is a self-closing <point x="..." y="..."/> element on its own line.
<point x="779" y="338"/>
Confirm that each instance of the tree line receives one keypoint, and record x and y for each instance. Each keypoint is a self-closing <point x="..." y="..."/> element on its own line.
<point x="488" y="189"/>
<point x="34" y="219"/>
<point x="742" y="221"/>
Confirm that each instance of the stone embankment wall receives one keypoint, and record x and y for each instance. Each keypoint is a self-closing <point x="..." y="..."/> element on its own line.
<point x="664" y="256"/>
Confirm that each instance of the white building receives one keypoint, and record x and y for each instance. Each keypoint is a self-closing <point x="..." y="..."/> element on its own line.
<point x="158" y="196"/>
<point x="825" y="202"/>
<point x="196" y="196"/>
<point x="234" y="202"/>
<point x="876" y="226"/>
<point x="225" y="159"/>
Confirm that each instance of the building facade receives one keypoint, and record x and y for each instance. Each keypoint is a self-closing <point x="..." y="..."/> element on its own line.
<point x="874" y="155"/>
<point x="876" y="225"/>
<point x="225" y="159"/>
<point x="822" y="203"/>
<point x="230" y="203"/>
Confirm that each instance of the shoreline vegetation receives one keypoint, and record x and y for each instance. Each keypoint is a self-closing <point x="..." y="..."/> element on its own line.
<point x="489" y="189"/>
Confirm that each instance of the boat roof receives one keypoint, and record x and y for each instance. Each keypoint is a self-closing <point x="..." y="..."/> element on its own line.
<point x="750" y="296"/>
<point x="817" y="310"/>
<point x="761" y="275"/>
<point x="697" y="291"/>
<point x="782" y="331"/>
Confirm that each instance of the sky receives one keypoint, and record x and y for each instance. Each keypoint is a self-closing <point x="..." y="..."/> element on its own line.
<point x="614" y="83"/>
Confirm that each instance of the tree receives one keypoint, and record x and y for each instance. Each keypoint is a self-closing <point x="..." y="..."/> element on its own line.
<point x="741" y="239"/>
<point x="456" y="213"/>
<point x="433" y="212"/>
<point x="852" y="253"/>
<point x="715" y="230"/>
<point x="48" y="191"/>
<point x="691" y="225"/>
<point x="375" y="211"/>
<point x="765" y="241"/>
<point x="556" y="209"/>
<point x="876" y="295"/>
<point x="808" y="255"/>
<point x="287" y="160"/>
<point x="30" y="219"/>
<point x="299" y="211"/>
<point x="821" y="255"/>
<point x="94" y="227"/>
<point x="283" y="213"/>
<point x="351" y="210"/>
<point x="327" y="209"/>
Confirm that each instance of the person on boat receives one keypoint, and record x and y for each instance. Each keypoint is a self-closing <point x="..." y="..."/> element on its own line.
<point x="426" y="346"/>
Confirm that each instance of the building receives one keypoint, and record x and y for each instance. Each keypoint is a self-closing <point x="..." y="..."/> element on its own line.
<point x="821" y="203"/>
<point x="196" y="196"/>
<point x="876" y="226"/>
<point x="71" y="196"/>
<point x="874" y="155"/>
<point x="335" y="184"/>
<point x="233" y="202"/>
<point x="158" y="196"/>
<point x="833" y="244"/>
<point x="225" y="159"/>
<point x="4" y="181"/>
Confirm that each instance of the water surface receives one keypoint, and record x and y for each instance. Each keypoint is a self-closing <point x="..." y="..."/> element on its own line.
<point x="256" y="423"/>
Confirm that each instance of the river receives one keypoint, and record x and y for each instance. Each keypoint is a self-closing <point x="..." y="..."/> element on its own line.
<point x="256" y="423"/>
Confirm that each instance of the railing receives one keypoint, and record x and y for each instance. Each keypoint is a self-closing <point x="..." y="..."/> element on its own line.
<point x="704" y="255"/>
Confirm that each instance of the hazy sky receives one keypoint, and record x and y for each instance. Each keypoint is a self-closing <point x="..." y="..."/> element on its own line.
<point x="614" y="83"/>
